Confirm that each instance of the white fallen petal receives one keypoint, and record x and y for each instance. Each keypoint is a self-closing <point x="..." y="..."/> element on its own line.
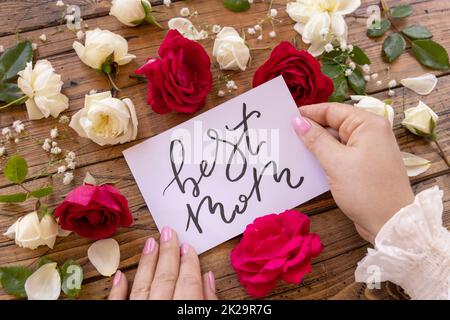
<point x="185" y="27"/>
<point x="44" y="283"/>
<point x="415" y="165"/>
<point x="422" y="85"/>
<point x="105" y="256"/>
<point x="89" y="179"/>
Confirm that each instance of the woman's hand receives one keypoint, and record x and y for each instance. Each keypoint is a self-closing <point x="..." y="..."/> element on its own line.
<point x="362" y="161"/>
<point x="166" y="272"/>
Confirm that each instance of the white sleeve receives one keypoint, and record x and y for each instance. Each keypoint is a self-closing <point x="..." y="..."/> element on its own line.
<point x="412" y="250"/>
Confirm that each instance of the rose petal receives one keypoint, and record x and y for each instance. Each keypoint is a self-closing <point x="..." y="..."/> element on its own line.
<point x="105" y="256"/>
<point x="89" y="179"/>
<point x="44" y="283"/>
<point x="422" y="85"/>
<point x="49" y="230"/>
<point x="415" y="165"/>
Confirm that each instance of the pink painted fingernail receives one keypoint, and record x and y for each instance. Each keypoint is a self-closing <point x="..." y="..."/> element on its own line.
<point x="184" y="249"/>
<point x="149" y="246"/>
<point x="212" y="281"/>
<point x="117" y="278"/>
<point x="166" y="234"/>
<point x="301" y="125"/>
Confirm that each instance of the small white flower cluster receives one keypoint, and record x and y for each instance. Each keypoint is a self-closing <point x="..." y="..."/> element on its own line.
<point x="231" y="85"/>
<point x="253" y="30"/>
<point x="391" y="85"/>
<point x="70" y="164"/>
<point x="59" y="3"/>
<point x="167" y="3"/>
<point x="2" y="151"/>
<point x="64" y="119"/>
<point x="216" y="28"/>
<point x="18" y="126"/>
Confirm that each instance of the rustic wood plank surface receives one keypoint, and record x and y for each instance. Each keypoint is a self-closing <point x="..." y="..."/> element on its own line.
<point x="332" y="273"/>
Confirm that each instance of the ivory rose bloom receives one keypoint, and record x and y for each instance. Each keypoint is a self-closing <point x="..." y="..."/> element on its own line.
<point x="100" y="45"/>
<point x="106" y="120"/>
<point x="375" y="106"/>
<point x="133" y="12"/>
<point x="230" y="50"/>
<point x="321" y="22"/>
<point x="29" y="232"/>
<point x="421" y="120"/>
<point x="129" y="12"/>
<point x="42" y="86"/>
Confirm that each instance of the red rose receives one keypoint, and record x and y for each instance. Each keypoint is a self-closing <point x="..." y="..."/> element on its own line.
<point x="94" y="211"/>
<point x="300" y="70"/>
<point x="273" y="247"/>
<point x="181" y="79"/>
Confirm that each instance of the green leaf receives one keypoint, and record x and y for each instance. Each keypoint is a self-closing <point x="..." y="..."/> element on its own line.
<point x="44" y="210"/>
<point x="41" y="193"/>
<point x="378" y="28"/>
<point x="394" y="45"/>
<point x="13" y="280"/>
<point x="357" y="82"/>
<point x="15" y="59"/>
<point x="332" y="70"/>
<point x="72" y="278"/>
<point x="236" y="5"/>
<point x="417" y="32"/>
<point x="430" y="54"/>
<point x="340" y="89"/>
<point x="44" y="260"/>
<point x="14" y="198"/>
<point x="16" y="169"/>
<point x="9" y="92"/>
<point x="334" y="56"/>
<point x="401" y="11"/>
<point x="359" y="56"/>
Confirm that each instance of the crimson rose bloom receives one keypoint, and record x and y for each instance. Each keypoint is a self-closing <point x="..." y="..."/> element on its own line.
<point x="273" y="247"/>
<point x="94" y="211"/>
<point x="181" y="79"/>
<point x="300" y="70"/>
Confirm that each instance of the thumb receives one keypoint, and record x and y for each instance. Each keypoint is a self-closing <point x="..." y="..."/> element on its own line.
<point x="318" y="140"/>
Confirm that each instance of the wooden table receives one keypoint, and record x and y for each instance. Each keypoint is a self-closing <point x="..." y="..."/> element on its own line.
<point x="332" y="274"/>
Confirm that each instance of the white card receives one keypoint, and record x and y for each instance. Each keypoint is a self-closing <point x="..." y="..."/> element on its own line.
<point x="205" y="178"/>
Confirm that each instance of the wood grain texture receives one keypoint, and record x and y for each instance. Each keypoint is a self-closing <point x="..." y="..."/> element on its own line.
<point x="332" y="273"/>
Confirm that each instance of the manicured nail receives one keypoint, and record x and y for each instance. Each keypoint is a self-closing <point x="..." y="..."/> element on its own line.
<point x="301" y="125"/>
<point x="212" y="281"/>
<point x="149" y="246"/>
<point x="166" y="234"/>
<point x="117" y="278"/>
<point x="184" y="249"/>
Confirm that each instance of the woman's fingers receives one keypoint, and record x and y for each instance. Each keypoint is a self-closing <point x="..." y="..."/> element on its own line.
<point x="209" y="286"/>
<point x="145" y="272"/>
<point x="119" y="290"/>
<point x="166" y="274"/>
<point x="189" y="284"/>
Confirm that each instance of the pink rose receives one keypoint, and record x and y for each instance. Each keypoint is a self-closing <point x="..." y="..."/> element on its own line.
<point x="273" y="247"/>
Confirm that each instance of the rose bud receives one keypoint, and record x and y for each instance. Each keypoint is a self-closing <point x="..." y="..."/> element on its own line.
<point x="421" y="120"/>
<point x="133" y="12"/>
<point x="373" y="105"/>
<point x="230" y="50"/>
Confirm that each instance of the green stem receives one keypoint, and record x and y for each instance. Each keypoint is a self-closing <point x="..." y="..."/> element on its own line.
<point x="441" y="151"/>
<point x="261" y="48"/>
<point x="111" y="81"/>
<point x="17" y="101"/>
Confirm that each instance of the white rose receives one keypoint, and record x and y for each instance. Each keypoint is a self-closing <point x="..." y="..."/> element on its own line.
<point x="129" y="12"/>
<point x="42" y="86"/>
<point x="421" y="120"/>
<point x="100" y="45"/>
<point x="320" y="22"/>
<point x="230" y="50"/>
<point x="375" y="106"/>
<point x="31" y="233"/>
<point x="106" y="120"/>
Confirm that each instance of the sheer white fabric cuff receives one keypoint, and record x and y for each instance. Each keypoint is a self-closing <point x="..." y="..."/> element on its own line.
<point x="412" y="250"/>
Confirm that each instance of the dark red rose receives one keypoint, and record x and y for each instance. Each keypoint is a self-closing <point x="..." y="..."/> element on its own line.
<point x="181" y="78"/>
<point x="273" y="247"/>
<point x="94" y="211"/>
<point x="300" y="70"/>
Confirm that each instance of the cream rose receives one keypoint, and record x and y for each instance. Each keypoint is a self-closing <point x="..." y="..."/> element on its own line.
<point x="106" y="120"/>
<point x="132" y="12"/>
<point x="375" y="106"/>
<point x="230" y="50"/>
<point x="42" y="86"/>
<point x="100" y="45"/>
<point x="31" y="233"/>
<point x="421" y="120"/>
